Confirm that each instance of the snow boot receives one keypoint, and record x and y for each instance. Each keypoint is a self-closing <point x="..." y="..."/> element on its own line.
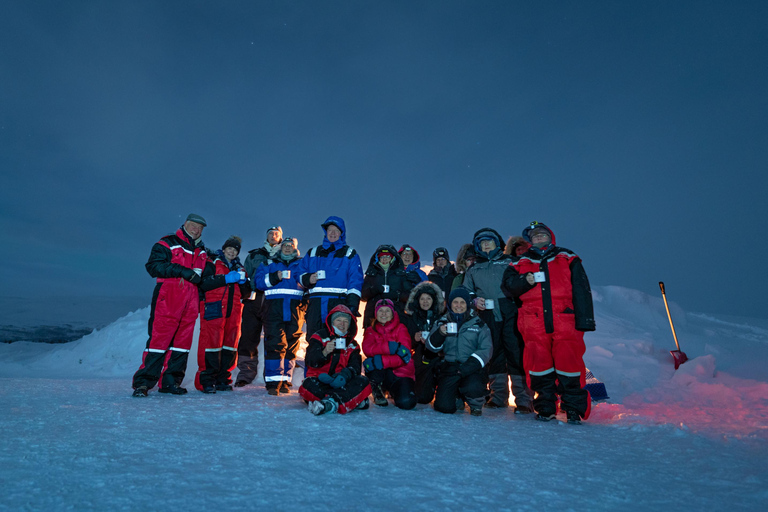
<point x="524" y="409"/>
<point x="545" y="417"/>
<point x="272" y="389"/>
<point x="223" y="387"/>
<point x="284" y="388"/>
<point x="363" y="405"/>
<point x="173" y="390"/>
<point x="140" y="391"/>
<point x="241" y="383"/>
<point x="574" y="418"/>
<point x="475" y="411"/>
<point x="378" y="395"/>
<point x="209" y="390"/>
<point x="324" y="406"/>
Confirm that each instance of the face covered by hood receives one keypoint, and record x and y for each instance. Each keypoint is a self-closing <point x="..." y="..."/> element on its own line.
<point x="341" y="308"/>
<point x="431" y="289"/>
<point x="484" y="234"/>
<point x="416" y="259"/>
<point x="535" y="226"/>
<point x="339" y="223"/>
<point x="386" y="249"/>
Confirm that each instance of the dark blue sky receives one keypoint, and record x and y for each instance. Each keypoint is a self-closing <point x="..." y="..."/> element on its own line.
<point x="637" y="131"/>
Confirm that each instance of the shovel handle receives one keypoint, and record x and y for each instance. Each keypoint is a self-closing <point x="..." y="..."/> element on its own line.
<point x="666" y="306"/>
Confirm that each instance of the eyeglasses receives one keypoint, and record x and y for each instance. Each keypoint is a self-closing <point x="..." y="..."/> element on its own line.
<point x="539" y="235"/>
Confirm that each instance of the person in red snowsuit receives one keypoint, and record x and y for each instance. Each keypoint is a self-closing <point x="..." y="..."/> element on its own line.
<point x="177" y="262"/>
<point x="555" y="300"/>
<point x="333" y="364"/>
<point x="388" y="364"/>
<point x="220" y="317"/>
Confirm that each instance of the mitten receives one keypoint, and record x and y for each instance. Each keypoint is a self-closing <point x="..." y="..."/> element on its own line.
<point x="325" y="378"/>
<point x="339" y="381"/>
<point x="373" y="363"/>
<point x="403" y="353"/>
<point x="232" y="277"/>
<point x="470" y="366"/>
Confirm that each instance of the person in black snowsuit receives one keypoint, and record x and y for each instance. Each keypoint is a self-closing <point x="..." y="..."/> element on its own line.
<point x="442" y="273"/>
<point x="425" y="305"/>
<point x="253" y="313"/>
<point x="386" y="278"/>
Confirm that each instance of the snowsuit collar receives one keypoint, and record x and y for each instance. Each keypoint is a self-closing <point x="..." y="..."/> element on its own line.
<point x="186" y="237"/>
<point x="231" y="265"/>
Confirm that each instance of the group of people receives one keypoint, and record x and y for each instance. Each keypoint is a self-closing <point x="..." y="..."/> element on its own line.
<point x="508" y="314"/>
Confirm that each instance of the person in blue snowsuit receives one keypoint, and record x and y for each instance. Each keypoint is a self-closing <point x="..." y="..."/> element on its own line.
<point x="332" y="274"/>
<point x="283" y="313"/>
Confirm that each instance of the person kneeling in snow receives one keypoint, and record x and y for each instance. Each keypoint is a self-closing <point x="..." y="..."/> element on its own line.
<point x="333" y="364"/>
<point x="466" y="343"/>
<point x="389" y="365"/>
<point x="556" y="309"/>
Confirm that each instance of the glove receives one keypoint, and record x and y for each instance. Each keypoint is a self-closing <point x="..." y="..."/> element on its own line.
<point x="339" y="381"/>
<point x="470" y="366"/>
<point x="399" y="350"/>
<point x="378" y="290"/>
<point x="190" y="275"/>
<point x="232" y="277"/>
<point x="449" y="369"/>
<point x="325" y="378"/>
<point x="373" y="363"/>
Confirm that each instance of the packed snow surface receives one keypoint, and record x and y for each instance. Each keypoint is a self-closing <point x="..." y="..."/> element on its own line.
<point x="691" y="439"/>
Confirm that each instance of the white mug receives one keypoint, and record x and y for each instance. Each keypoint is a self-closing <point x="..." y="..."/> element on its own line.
<point x="539" y="277"/>
<point x="242" y="275"/>
<point x="451" y="328"/>
<point x="198" y="271"/>
<point x="320" y="274"/>
<point x="286" y="274"/>
<point x="489" y="304"/>
<point x="424" y="335"/>
<point x="386" y="288"/>
<point x="341" y="343"/>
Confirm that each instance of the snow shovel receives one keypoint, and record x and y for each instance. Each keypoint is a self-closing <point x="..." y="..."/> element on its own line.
<point x="678" y="355"/>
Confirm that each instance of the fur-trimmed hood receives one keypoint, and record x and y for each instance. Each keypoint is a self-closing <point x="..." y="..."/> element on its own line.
<point x="513" y="243"/>
<point x="438" y="300"/>
<point x="461" y="267"/>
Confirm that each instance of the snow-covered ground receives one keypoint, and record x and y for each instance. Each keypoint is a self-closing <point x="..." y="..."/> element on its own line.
<point x="694" y="439"/>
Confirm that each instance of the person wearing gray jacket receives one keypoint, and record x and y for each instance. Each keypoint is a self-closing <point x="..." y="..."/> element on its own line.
<point x="483" y="279"/>
<point x="466" y="344"/>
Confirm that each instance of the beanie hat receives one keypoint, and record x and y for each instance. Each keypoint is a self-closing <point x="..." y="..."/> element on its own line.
<point x="193" y="217"/>
<point x="338" y="314"/>
<point x="276" y="228"/>
<point x="440" y="252"/>
<point x="384" y="303"/>
<point x="462" y="292"/>
<point x="291" y="240"/>
<point x="385" y="251"/>
<point x="233" y="241"/>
